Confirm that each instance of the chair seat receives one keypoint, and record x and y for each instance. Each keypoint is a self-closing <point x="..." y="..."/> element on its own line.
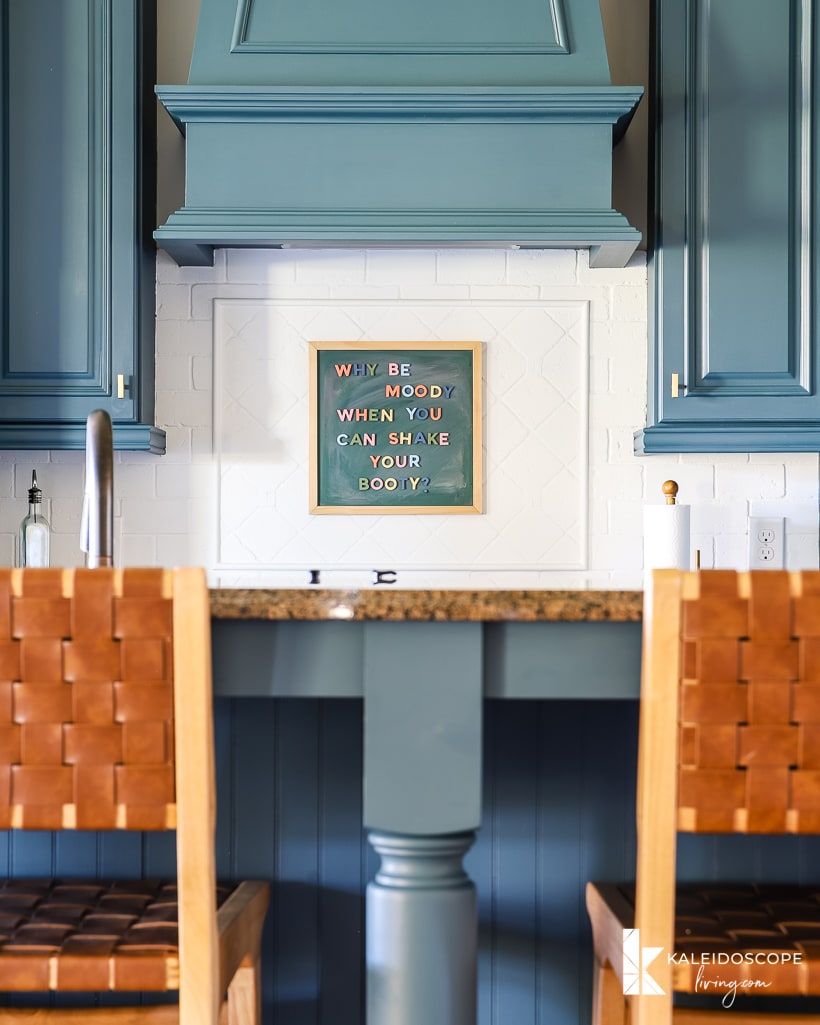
<point x="90" y="936"/>
<point x="766" y="935"/>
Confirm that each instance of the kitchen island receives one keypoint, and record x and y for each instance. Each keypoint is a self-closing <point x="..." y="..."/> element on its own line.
<point x="423" y="663"/>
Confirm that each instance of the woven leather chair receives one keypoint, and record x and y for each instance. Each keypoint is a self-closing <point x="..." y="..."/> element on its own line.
<point x="105" y="723"/>
<point x="729" y="742"/>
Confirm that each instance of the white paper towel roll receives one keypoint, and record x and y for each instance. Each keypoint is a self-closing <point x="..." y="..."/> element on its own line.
<point x="665" y="537"/>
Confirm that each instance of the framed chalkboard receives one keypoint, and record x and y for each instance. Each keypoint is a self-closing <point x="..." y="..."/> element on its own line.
<point x="395" y="427"/>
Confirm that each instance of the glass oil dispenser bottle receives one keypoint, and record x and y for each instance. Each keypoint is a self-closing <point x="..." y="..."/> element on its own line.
<point x="34" y="542"/>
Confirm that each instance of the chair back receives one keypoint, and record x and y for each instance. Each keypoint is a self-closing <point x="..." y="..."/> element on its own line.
<point x="86" y="700"/>
<point x="729" y="721"/>
<point x="106" y="724"/>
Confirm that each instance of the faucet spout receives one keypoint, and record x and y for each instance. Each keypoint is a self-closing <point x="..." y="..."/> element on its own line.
<point x="97" y="528"/>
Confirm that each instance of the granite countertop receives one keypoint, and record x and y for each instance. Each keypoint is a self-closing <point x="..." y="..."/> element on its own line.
<point x="420" y="605"/>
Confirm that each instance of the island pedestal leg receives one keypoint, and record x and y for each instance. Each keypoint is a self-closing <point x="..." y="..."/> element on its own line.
<point x="421" y="932"/>
<point x="422" y="806"/>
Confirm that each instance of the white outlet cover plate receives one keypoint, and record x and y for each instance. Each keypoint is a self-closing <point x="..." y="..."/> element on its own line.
<point x="767" y="542"/>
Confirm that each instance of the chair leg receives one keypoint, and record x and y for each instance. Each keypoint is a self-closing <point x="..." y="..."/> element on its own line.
<point x="608" y="1000"/>
<point x="245" y="994"/>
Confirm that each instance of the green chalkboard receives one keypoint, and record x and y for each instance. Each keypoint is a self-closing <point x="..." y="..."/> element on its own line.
<point x="395" y="427"/>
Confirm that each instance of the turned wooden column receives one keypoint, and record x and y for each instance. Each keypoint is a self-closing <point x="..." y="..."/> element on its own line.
<point x="422" y="805"/>
<point x="421" y="932"/>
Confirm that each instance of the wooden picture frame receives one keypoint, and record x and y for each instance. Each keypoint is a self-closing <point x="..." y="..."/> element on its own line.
<point x="395" y="427"/>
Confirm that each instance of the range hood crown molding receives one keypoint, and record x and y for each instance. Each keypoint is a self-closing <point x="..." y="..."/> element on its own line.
<point x="613" y="105"/>
<point x="421" y="164"/>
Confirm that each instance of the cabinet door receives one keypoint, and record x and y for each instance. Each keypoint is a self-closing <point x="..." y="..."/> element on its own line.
<point x="77" y="282"/>
<point x="733" y="282"/>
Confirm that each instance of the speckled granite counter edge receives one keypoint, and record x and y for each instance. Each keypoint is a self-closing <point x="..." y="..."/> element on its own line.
<point x="421" y="605"/>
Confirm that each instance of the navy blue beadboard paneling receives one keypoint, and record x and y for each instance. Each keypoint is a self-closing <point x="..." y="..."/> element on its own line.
<point x="557" y="810"/>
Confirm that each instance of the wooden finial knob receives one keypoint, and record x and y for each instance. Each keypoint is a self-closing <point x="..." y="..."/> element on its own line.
<point x="670" y="489"/>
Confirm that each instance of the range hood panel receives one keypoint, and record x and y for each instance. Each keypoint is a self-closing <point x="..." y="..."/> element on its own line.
<point x="408" y="132"/>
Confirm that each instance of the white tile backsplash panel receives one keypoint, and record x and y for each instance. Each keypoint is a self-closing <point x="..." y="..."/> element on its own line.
<point x="535" y="399"/>
<point x="565" y="370"/>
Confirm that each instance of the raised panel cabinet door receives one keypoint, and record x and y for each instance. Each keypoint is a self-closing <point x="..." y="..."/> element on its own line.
<point x="77" y="285"/>
<point x="733" y="323"/>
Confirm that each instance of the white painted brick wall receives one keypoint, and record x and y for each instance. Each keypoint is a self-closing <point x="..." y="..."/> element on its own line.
<point x="167" y="510"/>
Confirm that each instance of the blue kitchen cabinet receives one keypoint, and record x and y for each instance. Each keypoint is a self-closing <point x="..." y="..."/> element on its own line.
<point x="733" y="277"/>
<point x="77" y="145"/>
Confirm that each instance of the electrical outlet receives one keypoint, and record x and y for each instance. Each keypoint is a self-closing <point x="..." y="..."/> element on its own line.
<point x="767" y="536"/>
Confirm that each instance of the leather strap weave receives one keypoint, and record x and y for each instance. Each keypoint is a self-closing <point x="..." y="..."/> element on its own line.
<point x="86" y="700"/>
<point x="749" y="715"/>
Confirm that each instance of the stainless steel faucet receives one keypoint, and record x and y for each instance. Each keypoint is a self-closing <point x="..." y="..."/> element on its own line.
<point x="97" y="527"/>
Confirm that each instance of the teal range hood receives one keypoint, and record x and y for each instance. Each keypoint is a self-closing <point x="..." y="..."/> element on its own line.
<point x="363" y="123"/>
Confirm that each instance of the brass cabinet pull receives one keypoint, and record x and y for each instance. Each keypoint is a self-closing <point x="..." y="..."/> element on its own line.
<point x="120" y="386"/>
<point x="675" y="385"/>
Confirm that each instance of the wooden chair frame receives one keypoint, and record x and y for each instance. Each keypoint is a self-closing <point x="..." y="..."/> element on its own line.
<point x="219" y="949"/>
<point x="657" y="826"/>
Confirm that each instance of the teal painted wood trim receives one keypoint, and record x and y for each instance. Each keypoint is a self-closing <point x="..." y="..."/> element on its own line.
<point x="367" y="42"/>
<point x="564" y="660"/>
<point x="67" y="435"/>
<point x="547" y="104"/>
<point x="243" y="41"/>
<point x="422" y="733"/>
<point x="288" y="660"/>
<point x="721" y="436"/>
<point x="445" y="165"/>
<point x="190" y="235"/>
<point x="422" y="932"/>
<point x="291" y="659"/>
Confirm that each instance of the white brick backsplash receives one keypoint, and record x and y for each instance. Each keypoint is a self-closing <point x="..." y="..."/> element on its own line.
<point x="610" y="410"/>
<point x="629" y="304"/>
<point x="731" y="552"/>
<point x="65" y="515"/>
<point x="173" y="301"/>
<point x="471" y="267"/>
<point x="65" y="550"/>
<point x="190" y="409"/>
<point x="57" y="480"/>
<point x="175" y="372"/>
<point x="136" y="481"/>
<point x="801" y="551"/>
<point x="401" y="267"/>
<point x="359" y="291"/>
<point x="414" y="292"/>
<point x="509" y="293"/>
<point x="765" y="481"/>
<point x="562" y="483"/>
<point x="182" y="550"/>
<point x="542" y="267"/>
<point x="719" y="520"/>
<point x="195" y="481"/>
<point x="181" y="337"/>
<point x="138" y="550"/>
<point x="633" y="274"/>
<point x="202" y="373"/>
<point x="323" y="266"/>
<point x="168" y="272"/>
<point x="275" y="267"/>
<point x="11" y="513"/>
<point x="151" y="515"/>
